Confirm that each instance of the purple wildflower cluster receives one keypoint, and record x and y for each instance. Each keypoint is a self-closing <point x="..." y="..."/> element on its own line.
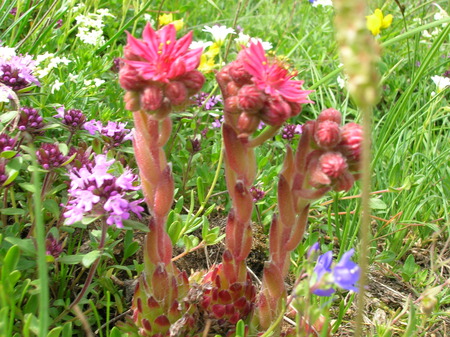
<point x="17" y="72"/>
<point x="115" y="133"/>
<point x="3" y="174"/>
<point x="290" y="130"/>
<point x="30" y="120"/>
<point x="257" y="194"/>
<point x="200" y="100"/>
<point x="52" y="246"/>
<point x="49" y="156"/>
<point x="6" y="142"/>
<point x="95" y="192"/>
<point x="345" y="274"/>
<point x="74" y="119"/>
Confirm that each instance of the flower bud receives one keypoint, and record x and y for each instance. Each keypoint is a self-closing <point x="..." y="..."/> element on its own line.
<point x="130" y="79"/>
<point x="351" y="135"/>
<point x="250" y="98"/>
<point x="248" y="123"/>
<point x="327" y="134"/>
<point x="333" y="164"/>
<point x="223" y="77"/>
<point x="6" y="142"/>
<point x="232" y="89"/>
<point x="239" y="74"/>
<point x="344" y="182"/>
<point x="276" y="112"/>
<point x="193" y="80"/>
<point x="296" y="108"/>
<point x="151" y="98"/>
<point x="330" y="115"/>
<point x="176" y="92"/>
<point x="231" y="104"/>
<point x="132" y="101"/>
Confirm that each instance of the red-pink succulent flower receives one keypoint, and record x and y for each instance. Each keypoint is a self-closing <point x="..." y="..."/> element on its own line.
<point x="159" y="56"/>
<point x="271" y="76"/>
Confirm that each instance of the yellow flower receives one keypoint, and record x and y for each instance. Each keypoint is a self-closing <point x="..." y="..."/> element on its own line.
<point x="178" y="24"/>
<point x="377" y="21"/>
<point x="165" y="19"/>
<point x="207" y="62"/>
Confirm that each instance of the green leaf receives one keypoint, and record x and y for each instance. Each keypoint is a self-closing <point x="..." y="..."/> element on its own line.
<point x="71" y="259"/>
<point x="200" y="190"/>
<point x="90" y="257"/>
<point x="8" y="154"/>
<point x="11" y="259"/>
<point x="12" y="211"/>
<point x="28" y="187"/>
<point x="8" y="116"/>
<point x="136" y="225"/>
<point x="52" y="206"/>
<point x="376" y="203"/>
<point x="26" y="245"/>
<point x="55" y="332"/>
<point x="409" y="268"/>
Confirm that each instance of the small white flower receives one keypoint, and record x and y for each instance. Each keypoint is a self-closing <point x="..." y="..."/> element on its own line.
<point x="148" y="18"/>
<point x="219" y="33"/>
<point x="322" y="3"/>
<point x="43" y="57"/>
<point x="441" y="82"/>
<point x="242" y="39"/>
<point x="7" y="52"/>
<point x="200" y="44"/>
<point x="266" y="45"/>
<point x="72" y="77"/>
<point x="56" y="86"/>
<point x="341" y="82"/>
<point x="5" y="92"/>
<point x="104" y="12"/>
<point x="87" y="82"/>
<point x="98" y="82"/>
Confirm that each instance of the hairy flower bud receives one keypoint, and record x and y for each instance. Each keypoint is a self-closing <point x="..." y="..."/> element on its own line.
<point x="330" y="115"/>
<point x="232" y="89"/>
<point x="276" y="112"/>
<point x="231" y="104"/>
<point x="132" y="101"/>
<point x="239" y="74"/>
<point x="251" y="99"/>
<point x="248" y="123"/>
<point x="151" y="98"/>
<point x="333" y="164"/>
<point x="176" y="92"/>
<point x="350" y="144"/>
<point x="327" y="134"/>
<point x="130" y="79"/>
<point x="193" y="80"/>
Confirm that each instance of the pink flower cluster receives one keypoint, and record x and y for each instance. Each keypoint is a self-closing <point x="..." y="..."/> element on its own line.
<point x="114" y="133"/>
<point x="257" y="88"/>
<point x="337" y="151"/>
<point x="95" y="192"/>
<point x="159" y="71"/>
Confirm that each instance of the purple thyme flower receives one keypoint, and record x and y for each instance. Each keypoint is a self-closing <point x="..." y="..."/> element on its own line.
<point x="200" y="100"/>
<point x="49" y="156"/>
<point x="96" y="192"/>
<point x="195" y="145"/>
<point x="345" y="274"/>
<point x="257" y="193"/>
<point x="53" y="246"/>
<point x="73" y="118"/>
<point x="114" y="133"/>
<point x="17" y="72"/>
<point x="6" y="142"/>
<point x="3" y="174"/>
<point x="13" y="11"/>
<point x="30" y="121"/>
<point x="290" y="130"/>
<point x="217" y="122"/>
<point x="117" y="62"/>
<point x="59" y="23"/>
